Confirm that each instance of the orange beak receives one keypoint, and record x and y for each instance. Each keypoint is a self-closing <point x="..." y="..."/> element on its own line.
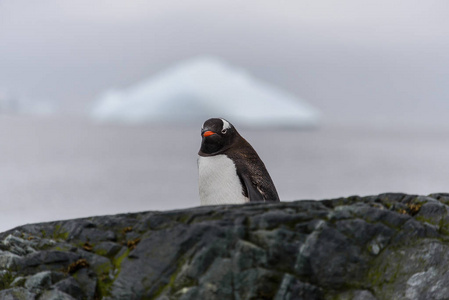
<point x="208" y="133"/>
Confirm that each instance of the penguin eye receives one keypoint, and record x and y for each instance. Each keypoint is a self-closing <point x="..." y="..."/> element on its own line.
<point x="224" y="131"/>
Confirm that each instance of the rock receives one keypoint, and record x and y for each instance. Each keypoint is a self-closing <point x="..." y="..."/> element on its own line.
<point x="71" y="287"/>
<point x="8" y="260"/>
<point x="292" y="288"/>
<point x="357" y="295"/>
<point x="56" y="295"/>
<point x="17" y="245"/>
<point x="42" y="281"/>
<point x="390" y="246"/>
<point x="108" y="249"/>
<point x="17" y="294"/>
<point x="46" y="260"/>
<point x="87" y="280"/>
<point x="38" y="282"/>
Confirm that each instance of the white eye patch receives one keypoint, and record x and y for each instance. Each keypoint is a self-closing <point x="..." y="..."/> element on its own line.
<point x="226" y="125"/>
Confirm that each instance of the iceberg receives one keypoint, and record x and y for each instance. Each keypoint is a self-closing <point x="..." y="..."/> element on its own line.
<point x="201" y="88"/>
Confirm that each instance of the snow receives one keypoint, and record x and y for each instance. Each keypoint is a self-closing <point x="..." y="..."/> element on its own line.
<point x="201" y="88"/>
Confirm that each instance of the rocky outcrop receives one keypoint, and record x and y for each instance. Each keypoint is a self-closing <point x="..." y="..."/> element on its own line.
<point x="391" y="246"/>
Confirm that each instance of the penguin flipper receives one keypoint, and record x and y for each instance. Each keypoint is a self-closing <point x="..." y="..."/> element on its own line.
<point x="253" y="192"/>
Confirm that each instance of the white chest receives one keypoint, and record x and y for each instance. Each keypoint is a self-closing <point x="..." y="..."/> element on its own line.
<point x="218" y="181"/>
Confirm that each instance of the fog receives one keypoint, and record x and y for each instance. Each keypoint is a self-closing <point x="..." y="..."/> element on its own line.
<point x="372" y="61"/>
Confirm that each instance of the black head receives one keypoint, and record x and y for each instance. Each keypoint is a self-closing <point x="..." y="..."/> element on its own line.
<point x="217" y="136"/>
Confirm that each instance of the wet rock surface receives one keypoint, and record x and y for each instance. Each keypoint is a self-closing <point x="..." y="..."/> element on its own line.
<point x="390" y="246"/>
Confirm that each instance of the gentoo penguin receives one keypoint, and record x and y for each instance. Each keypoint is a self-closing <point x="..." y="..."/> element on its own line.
<point x="230" y="171"/>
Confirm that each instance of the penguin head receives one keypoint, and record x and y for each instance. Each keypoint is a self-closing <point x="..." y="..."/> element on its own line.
<point x="217" y="135"/>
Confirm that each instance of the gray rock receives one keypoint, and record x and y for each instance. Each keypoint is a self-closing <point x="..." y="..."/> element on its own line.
<point x="17" y="245"/>
<point x="56" y="295"/>
<point x="292" y="288"/>
<point x="108" y="249"/>
<point x="71" y="287"/>
<point x="42" y="281"/>
<point x="390" y="246"/>
<point x="46" y="260"/>
<point x="357" y="295"/>
<point x="16" y="294"/>
<point x="87" y="280"/>
<point x="8" y="260"/>
<point x="38" y="282"/>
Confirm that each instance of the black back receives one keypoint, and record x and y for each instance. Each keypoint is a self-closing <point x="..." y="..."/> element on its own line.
<point x="256" y="181"/>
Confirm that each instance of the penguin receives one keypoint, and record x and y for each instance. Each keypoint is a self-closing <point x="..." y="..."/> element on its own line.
<point x="230" y="171"/>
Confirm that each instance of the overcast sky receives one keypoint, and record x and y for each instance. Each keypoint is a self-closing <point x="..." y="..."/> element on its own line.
<point x="351" y="59"/>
